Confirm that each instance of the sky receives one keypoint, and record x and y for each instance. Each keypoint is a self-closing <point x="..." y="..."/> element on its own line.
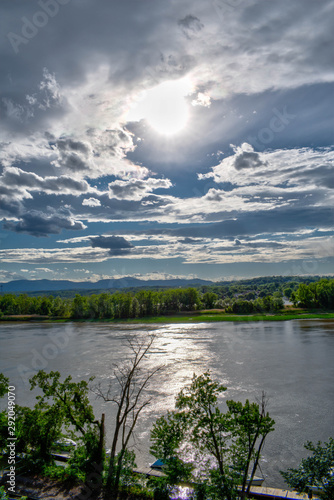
<point x="160" y="139"/>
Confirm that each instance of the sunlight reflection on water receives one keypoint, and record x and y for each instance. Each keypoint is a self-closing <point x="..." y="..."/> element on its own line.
<point x="291" y="361"/>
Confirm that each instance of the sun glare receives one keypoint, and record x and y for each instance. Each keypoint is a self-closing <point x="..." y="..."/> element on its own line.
<point x="164" y="107"/>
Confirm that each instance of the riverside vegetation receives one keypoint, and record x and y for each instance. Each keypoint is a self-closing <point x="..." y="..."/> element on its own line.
<point x="224" y="446"/>
<point x="253" y="298"/>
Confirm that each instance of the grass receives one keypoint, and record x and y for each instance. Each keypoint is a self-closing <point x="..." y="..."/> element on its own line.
<point x="210" y="318"/>
<point x="205" y="316"/>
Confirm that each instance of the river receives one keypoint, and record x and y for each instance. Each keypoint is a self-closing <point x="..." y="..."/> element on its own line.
<point x="292" y="361"/>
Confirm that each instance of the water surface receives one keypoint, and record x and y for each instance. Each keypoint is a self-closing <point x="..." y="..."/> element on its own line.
<point x="292" y="361"/>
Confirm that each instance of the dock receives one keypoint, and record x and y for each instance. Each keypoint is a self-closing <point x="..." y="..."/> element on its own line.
<point x="257" y="492"/>
<point x="266" y="493"/>
<point x="148" y="472"/>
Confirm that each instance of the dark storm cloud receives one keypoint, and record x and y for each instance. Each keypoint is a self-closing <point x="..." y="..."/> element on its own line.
<point x="39" y="224"/>
<point x="247" y="159"/>
<point x="117" y="245"/>
<point x="110" y="242"/>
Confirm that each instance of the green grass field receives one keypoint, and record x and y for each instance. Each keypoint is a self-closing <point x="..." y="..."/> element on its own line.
<point x="209" y="318"/>
<point x="195" y="317"/>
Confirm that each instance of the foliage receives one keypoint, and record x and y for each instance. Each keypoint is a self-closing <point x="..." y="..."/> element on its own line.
<point x="64" y="408"/>
<point x="68" y="404"/>
<point x="227" y="445"/>
<point x="265" y="304"/>
<point x="25" y="305"/>
<point x="36" y="431"/>
<point x="239" y="297"/>
<point x="70" y="473"/>
<point x="209" y="299"/>
<point x="128" y="479"/>
<point x="4" y="496"/>
<point x="315" y="295"/>
<point x="316" y="470"/>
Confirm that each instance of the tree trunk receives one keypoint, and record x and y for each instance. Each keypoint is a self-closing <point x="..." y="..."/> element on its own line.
<point x="110" y="485"/>
<point x="101" y="441"/>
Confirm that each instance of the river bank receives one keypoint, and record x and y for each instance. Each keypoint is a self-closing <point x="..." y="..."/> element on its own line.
<point x="203" y="316"/>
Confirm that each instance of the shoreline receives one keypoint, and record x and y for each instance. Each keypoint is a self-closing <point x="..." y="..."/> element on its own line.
<point x="195" y="317"/>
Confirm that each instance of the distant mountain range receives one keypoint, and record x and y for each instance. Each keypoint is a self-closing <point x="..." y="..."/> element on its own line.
<point x="128" y="282"/>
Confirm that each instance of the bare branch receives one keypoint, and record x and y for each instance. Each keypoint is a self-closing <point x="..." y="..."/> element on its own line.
<point x="132" y="381"/>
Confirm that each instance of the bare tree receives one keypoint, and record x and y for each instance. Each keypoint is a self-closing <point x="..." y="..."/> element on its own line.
<point x="130" y="397"/>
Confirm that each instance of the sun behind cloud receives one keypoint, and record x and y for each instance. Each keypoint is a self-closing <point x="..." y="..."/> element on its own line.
<point x="164" y="107"/>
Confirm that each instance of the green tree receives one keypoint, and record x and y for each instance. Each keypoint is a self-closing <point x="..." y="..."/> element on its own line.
<point x="79" y="307"/>
<point x="209" y="299"/>
<point x="36" y="431"/>
<point x="227" y="444"/>
<point x="287" y="292"/>
<point x="9" y="304"/>
<point x="305" y="296"/>
<point x="209" y="429"/>
<point x="314" y="472"/>
<point x="166" y="435"/>
<point x="250" y="426"/>
<point x="45" y="306"/>
<point x="68" y="402"/>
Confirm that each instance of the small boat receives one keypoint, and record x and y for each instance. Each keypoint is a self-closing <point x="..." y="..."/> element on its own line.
<point x="158" y="465"/>
<point x="65" y="443"/>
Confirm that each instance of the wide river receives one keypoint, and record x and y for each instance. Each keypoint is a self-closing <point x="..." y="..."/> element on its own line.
<point x="292" y="361"/>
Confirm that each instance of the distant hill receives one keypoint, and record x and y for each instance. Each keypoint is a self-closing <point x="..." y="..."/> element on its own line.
<point x="62" y="285"/>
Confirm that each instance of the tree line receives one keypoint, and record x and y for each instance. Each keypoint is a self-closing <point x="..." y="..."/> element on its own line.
<point x="225" y="443"/>
<point x="122" y="305"/>
<point x="144" y="303"/>
<point x="315" y="295"/>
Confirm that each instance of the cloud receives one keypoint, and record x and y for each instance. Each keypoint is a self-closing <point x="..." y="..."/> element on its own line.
<point x="64" y="110"/>
<point x="136" y="189"/>
<point x="190" y="25"/>
<point x="20" y="182"/>
<point x="247" y="158"/>
<point x="39" y="224"/>
<point x="287" y="168"/>
<point x="9" y="275"/>
<point x="96" y="153"/>
<point x="53" y="255"/>
<point x="117" y="245"/>
<point x="282" y="219"/>
<point x="91" y="202"/>
<point x="201" y="100"/>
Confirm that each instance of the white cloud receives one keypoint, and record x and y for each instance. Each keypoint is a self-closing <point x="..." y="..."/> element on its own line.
<point x="201" y="100"/>
<point x="283" y="169"/>
<point x="91" y="202"/>
<point x="136" y="189"/>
